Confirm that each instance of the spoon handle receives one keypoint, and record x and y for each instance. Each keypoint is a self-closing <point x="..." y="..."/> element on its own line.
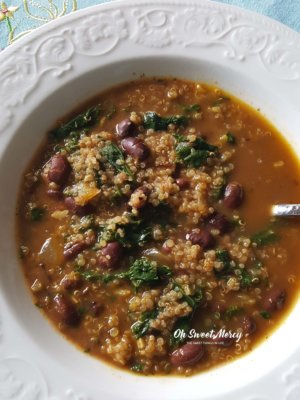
<point x="286" y="210"/>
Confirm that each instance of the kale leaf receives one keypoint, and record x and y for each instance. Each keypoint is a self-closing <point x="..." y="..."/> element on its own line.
<point x="232" y="311"/>
<point x="264" y="238"/>
<point x="71" y="142"/>
<point x="184" y="324"/>
<point x="116" y="158"/>
<point x="195" y="154"/>
<point x="193" y="301"/>
<point x="88" y="275"/>
<point x="84" y="120"/>
<point x="141" y="327"/>
<point x="192" y="108"/>
<point x="265" y="314"/>
<point x="138" y="367"/>
<point x="36" y="213"/>
<point x="230" y="138"/>
<point x="136" y="232"/>
<point x="142" y="272"/>
<point x="157" y="123"/>
<point x="223" y="256"/>
<point x="245" y="279"/>
<point x="217" y="191"/>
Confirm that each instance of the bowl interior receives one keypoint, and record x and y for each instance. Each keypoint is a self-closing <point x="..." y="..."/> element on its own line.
<point x="29" y="322"/>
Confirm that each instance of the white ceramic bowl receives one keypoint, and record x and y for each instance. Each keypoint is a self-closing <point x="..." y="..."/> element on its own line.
<point x="48" y="73"/>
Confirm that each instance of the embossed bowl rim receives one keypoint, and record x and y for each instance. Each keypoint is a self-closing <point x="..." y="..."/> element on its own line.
<point x="46" y="74"/>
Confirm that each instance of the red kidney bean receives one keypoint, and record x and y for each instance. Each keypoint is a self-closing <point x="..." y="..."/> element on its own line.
<point x="233" y="195"/>
<point x="165" y="248"/>
<point x="223" y="342"/>
<point x="188" y="354"/>
<point x="125" y="128"/>
<point x="111" y="255"/>
<point x="135" y="148"/>
<point x="248" y="325"/>
<point x="220" y="222"/>
<point x="55" y="194"/>
<point x="59" y="169"/>
<point x="71" y="250"/>
<point x="71" y="281"/>
<point x="274" y="300"/>
<point x="183" y="183"/>
<point x="77" y="209"/>
<point x="202" y="237"/>
<point x="66" y="310"/>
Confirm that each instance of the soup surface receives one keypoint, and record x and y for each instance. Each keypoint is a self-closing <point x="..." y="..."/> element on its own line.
<point x="145" y="228"/>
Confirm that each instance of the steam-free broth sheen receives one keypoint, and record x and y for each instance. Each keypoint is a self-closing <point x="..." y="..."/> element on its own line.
<point x="145" y="220"/>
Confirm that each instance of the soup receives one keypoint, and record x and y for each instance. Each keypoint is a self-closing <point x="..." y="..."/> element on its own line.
<point x="145" y="228"/>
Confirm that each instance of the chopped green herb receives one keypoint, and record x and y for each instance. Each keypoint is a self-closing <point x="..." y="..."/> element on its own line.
<point x="141" y="327"/>
<point x="137" y="367"/>
<point x="86" y="222"/>
<point x="136" y="232"/>
<point x="194" y="300"/>
<point x="232" y="311"/>
<point x="71" y="142"/>
<point x="230" y="138"/>
<point x="82" y="121"/>
<point x="184" y="324"/>
<point x="142" y="272"/>
<point x="88" y="275"/>
<point x="264" y="238"/>
<point x="195" y="154"/>
<point x="265" y="314"/>
<point x="158" y="123"/>
<point x="110" y="112"/>
<point x="116" y="158"/>
<point x="223" y="256"/>
<point x="245" y="279"/>
<point x="217" y="192"/>
<point x="179" y="138"/>
<point x="193" y="108"/>
<point x="36" y="213"/>
<point x="117" y="196"/>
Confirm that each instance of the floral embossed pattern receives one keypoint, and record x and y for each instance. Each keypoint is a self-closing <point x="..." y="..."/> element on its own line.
<point x="200" y="27"/>
<point x="83" y="41"/>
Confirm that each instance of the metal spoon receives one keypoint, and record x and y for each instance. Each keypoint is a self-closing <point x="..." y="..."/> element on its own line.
<point x="286" y="210"/>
